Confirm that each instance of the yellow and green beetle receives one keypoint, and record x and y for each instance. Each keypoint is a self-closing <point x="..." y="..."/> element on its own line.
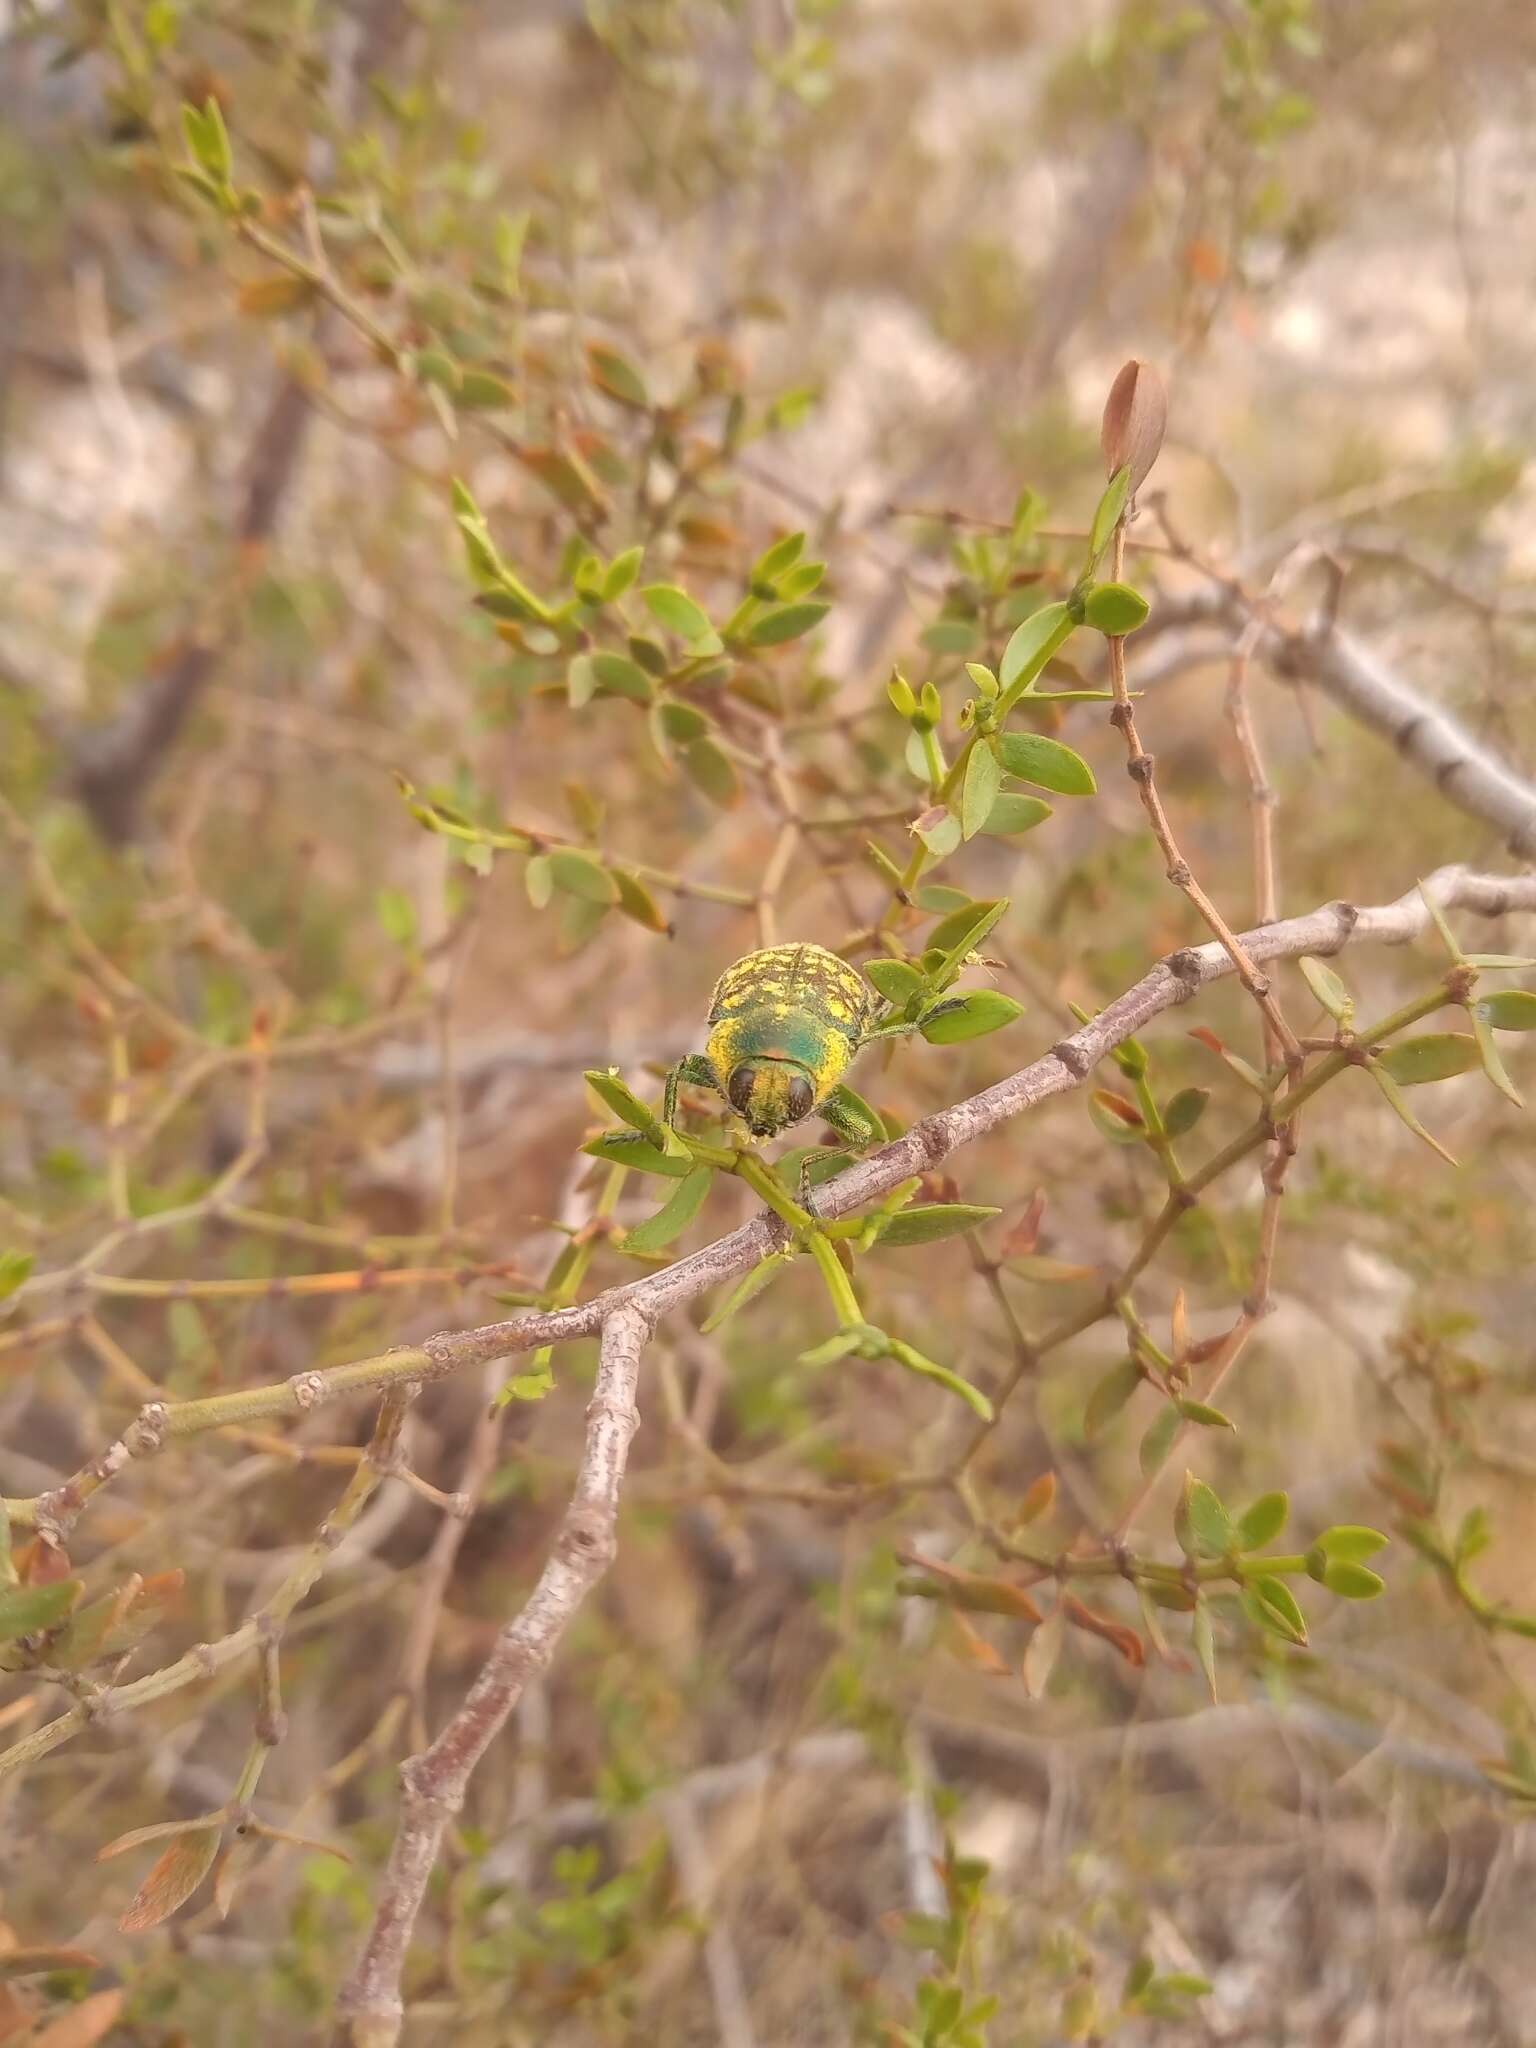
<point x="784" y="1026"/>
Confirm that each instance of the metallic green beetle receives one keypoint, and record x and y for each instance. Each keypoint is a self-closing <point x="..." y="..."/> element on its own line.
<point x="785" y="1025"/>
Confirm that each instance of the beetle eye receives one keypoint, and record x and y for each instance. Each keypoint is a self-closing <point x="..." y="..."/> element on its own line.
<point x="739" y="1093"/>
<point x="802" y="1098"/>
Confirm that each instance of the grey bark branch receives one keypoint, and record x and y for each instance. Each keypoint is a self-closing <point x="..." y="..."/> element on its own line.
<point x="1356" y="678"/>
<point x="435" y="1782"/>
<point x="1465" y="772"/>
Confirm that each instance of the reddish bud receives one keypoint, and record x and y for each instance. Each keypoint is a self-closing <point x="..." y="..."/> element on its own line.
<point x="1135" y="420"/>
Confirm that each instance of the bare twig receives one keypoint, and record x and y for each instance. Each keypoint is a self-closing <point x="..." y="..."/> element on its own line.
<point x="435" y="1782"/>
<point x="1139" y="766"/>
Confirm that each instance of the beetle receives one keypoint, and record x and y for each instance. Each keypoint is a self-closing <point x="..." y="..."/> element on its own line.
<point x="784" y="1026"/>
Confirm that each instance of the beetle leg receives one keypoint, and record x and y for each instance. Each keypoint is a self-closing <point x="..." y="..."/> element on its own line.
<point x="898" y="1030"/>
<point x="849" y="1117"/>
<point x="805" y="1193"/>
<point x="696" y="1071"/>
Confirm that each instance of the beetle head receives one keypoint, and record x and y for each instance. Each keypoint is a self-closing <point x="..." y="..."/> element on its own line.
<point x="770" y="1094"/>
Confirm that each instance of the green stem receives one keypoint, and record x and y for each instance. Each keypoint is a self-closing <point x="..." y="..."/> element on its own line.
<point x="839" y="1286"/>
<point x="764" y="1182"/>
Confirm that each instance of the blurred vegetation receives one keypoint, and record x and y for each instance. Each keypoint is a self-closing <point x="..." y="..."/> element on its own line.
<point x="505" y="512"/>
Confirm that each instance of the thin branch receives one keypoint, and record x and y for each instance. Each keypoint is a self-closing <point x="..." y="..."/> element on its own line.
<point x="1140" y="768"/>
<point x="1369" y="690"/>
<point x="435" y="1782"/>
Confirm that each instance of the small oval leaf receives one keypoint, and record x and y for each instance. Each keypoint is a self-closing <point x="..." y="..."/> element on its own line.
<point x="674" y="1217"/>
<point x="969" y="1016"/>
<point x="1046" y="763"/>
<point x="1436" y="1056"/>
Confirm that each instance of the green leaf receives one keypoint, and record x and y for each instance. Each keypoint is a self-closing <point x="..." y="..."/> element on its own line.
<point x="629" y="1109"/>
<point x="1111" y="1394"/>
<point x="969" y="1016"/>
<point x="1137" y="1978"/>
<point x="961" y="930"/>
<point x="580" y="681"/>
<point x="1012" y="813"/>
<point x="1492" y="1061"/>
<point x="578" y="874"/>
<point x="674" y="1218"/>
<point x="397" y="917"/>
<point x="676" y="610"/>
<point x="619" y="1148"/>
<point x="1330" y="991"/>
<point x="745" y="1290"/>
<point x="1115" y="1118"/>
<point x="1351" y="1541"/>
<point x="1184" y="1111"/>
<point x="1474" y="1535"/>
<point x="539" y="880"/>
<point x="1272" y="1604"/>
<point x="682" y="722"/>
<point x="1204" y="1638"/>
<point x="1447" y="936"/>
<point x="208" y="139"/>
<point x="483" y="391"/>
<point x="1032" y="644"/>
<point x="787" y="622"/>
<point x="896" y="980"/>
<point x="1201" y="1523"/>
<point x="1041" y="1653"/>
<point x="939" y="830"/>
<point x="775" y="560"/>
<point x="712" y="771"/>
<point x="950" y="636"/>
<point x="930" y="1221"/>
<point x="528" y="1386"/>
<point x="1207" y="1417"/>
<point x="639" y="905"/>
<point x="14" y="1268"/>
<point x="1399" y="1103"/>
<point x="1501" y="963"/>
<point x="618" y="377"/>
<point x="28" y="1610"/>
<point x="1047" y="763"/>
<point x="938" y="898"/>
<point x="1115" y="609"/>
<point x="983" y="781"/>
<point x="1108" y="513"/>
<point x="1262" y="1522"/>
<point x="1353" y="1581"/>
<point x="1158" y="1440"/>
<point x="1435" y="1056"/>
<point x="580" y="917"/>
<point x="624" y="677"/>
<point x="621" y="573"/>
<point x="1511" y="1009"/>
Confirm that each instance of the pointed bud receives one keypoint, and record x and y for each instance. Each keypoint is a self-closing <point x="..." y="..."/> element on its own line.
<point x="1135" y="420"/>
